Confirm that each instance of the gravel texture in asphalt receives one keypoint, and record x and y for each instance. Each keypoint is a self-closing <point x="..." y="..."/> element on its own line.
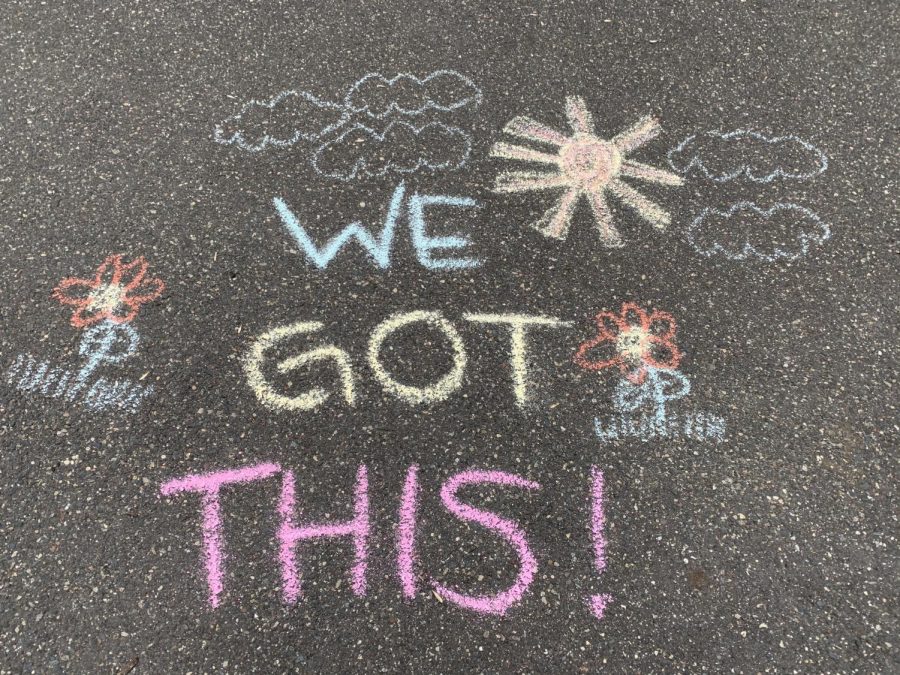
<point x="756" y="533"/>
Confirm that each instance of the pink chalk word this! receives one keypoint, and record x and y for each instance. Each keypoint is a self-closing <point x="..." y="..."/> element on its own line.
<point x="295" y="535"/>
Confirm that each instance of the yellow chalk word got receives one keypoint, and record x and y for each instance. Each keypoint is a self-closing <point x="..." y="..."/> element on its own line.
<point x="517" y="326"/>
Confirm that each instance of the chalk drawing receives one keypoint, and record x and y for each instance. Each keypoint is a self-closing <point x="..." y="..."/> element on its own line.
<point x="361" y="151"/>
<point x="632" y="341"/>
<point x="254" y="363"/>
<point x="406" y="533"/>
<point x="518" y="324"/>
<point x="268" y="395"/>
<point x="289" y="534"/>
<point x="98" y="347"/>
<point x="115" y="293"/>
<point x="292" y="534"/>
<point x="782" y="232"/>
<point x="408" y="95"/>
<point x="509" y="530"/>
<point x="699" y="426"/>
<point x="303" y="116"/>
<point x="600" y="601"/>
<point x="642" y="347"/>
<point x="425" y="244"/>
<point x="350" y="149"/>
<point x="731" y="155"/>
<point x="435" y="392"/>
<point x="104" y="305"/>
<point x="380" y="247"/>
<point x="583" y="165"/>
<point x="209" y="486"/>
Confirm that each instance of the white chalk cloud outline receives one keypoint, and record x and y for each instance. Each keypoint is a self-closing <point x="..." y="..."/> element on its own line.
<point x="748" y="250"/>
<point x="361" y="166"/>
<point x="238" y="137"/>
<point x="745" y="170"/>
<point x="430" y="104"/>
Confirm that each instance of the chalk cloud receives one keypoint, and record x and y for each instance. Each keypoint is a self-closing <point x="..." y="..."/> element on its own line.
<point x="281" y="121"/>
<point x="405" y="94"/>
<point x="746" y="231"/>
<point x="401" y="148"/>
<point x="724" y="157"/>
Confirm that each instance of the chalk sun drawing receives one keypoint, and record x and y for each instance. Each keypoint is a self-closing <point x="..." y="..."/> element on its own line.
<point x="400" y="148"/>
<point x="104" y="305"/>
<point x="642" y="348"/>
<point x="408" y="95"/>
<point x="732" y="157"/>
<point x="745" y="221"/>
<point x="584" y="166"/>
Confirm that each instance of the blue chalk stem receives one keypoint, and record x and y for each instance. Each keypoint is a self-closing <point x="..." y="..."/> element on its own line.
<point x="106" y="342"/>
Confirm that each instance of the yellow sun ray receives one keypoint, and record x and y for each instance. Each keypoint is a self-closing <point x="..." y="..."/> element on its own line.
<point x="524" y="181"/>
<point x="579" y="116"/>
<point x="510" y="151"/>
<point x="532" y="130"/>
<point x="555" y="222"/>
<point x="651" y="211"/>
<point x="650" y="173"/>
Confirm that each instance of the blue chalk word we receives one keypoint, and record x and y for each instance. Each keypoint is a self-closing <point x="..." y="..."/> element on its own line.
<point x="642" y="412"/>
<point x="106" y="343"/>
<point x="379" y="247"/>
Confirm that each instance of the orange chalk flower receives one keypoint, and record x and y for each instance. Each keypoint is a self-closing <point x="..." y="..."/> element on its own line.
<point x="632" y="340"/>
<point x="115" y="294"/>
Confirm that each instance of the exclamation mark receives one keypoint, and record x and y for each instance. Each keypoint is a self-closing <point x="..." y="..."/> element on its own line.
<point x="597" y="603"/>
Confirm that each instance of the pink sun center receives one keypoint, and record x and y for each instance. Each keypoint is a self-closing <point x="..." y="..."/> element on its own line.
<point x="589" y="163"/>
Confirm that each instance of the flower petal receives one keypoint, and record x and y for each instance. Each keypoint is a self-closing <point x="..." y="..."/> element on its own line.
<point x="609" y="325"/>
<point x="109" y="271"/>
<point x="634" y="315"/>
<point x="87" y="316"/>
<point x="124" y="312"/>
<point x="132" y="274"/>
<point x="74" y="291"/>
<point x="662" y="325"/>
<point x="145" y="291"/>
<point x="662" y="353"/>
<point x="605" y="347"/>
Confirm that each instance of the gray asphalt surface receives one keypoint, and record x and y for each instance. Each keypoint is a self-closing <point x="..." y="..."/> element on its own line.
<point x="774" y="550"/>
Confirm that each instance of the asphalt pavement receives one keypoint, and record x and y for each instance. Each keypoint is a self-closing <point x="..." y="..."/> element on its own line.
<point x="496" y="337"/>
